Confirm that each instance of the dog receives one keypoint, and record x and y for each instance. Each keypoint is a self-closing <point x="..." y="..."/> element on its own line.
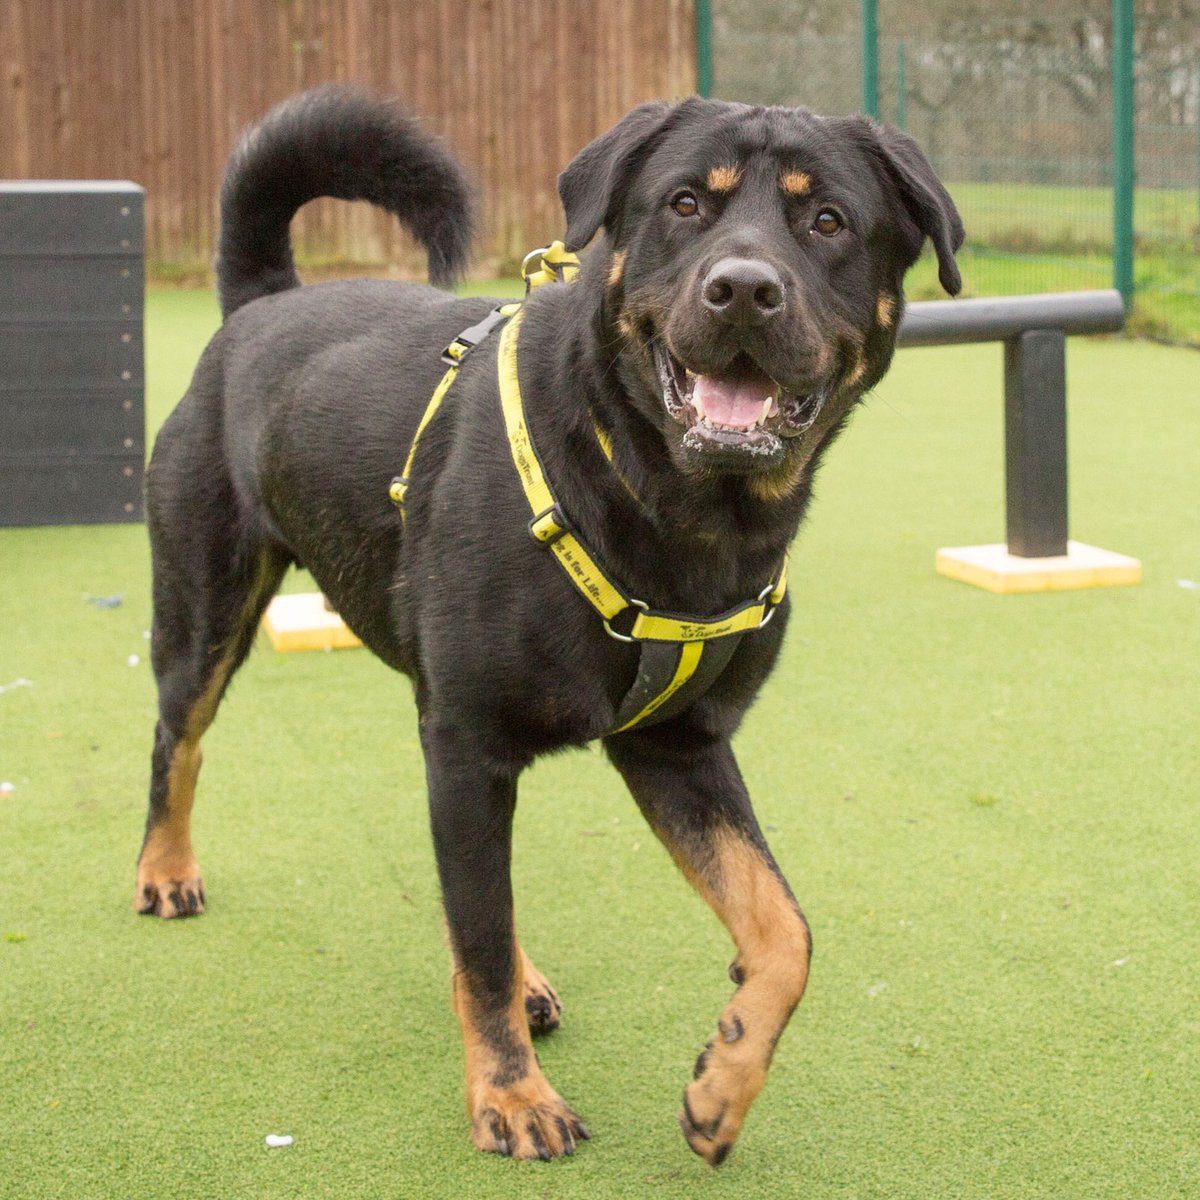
<point x="670" y="394"/>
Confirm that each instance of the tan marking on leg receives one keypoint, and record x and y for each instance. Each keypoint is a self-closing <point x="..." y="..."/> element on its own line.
<point x="885" y="309"/>
<point x="795" y="183"/>
<point x="513" y="1108"/>
<point x="617" y="268"/>
<point x="202" y="712"/>
<point x="169" y="883"/>
<point x="168" y="877"/>
<point x="723" y="179"/>
<point x="773" y="948"/>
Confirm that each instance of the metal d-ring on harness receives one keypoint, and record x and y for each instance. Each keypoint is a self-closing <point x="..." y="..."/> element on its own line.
<point x="681" y="655"/>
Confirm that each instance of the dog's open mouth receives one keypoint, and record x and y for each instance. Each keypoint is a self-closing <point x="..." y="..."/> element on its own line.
<point x="742" y="410"/>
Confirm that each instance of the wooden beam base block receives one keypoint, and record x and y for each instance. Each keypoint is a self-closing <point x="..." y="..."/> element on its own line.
<point x="995" y="570"/>
<point x="302" y="622"/>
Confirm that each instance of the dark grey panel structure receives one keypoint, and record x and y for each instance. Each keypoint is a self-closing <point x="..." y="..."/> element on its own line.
<point x="72" y="409"/>
<point x="1034" y="331"/>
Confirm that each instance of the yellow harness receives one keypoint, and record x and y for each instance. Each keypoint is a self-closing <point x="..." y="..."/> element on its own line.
<point x="681" y="655"/>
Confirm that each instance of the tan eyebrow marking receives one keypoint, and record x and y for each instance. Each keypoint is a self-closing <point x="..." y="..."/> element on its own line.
<point x="795" y="183"/>
<point x="723" y="179"/>
<point x="885" y="309"/>
<point x="618" y="268"/>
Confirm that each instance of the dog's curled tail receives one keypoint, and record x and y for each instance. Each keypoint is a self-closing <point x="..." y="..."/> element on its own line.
<point x="334" y="141"/>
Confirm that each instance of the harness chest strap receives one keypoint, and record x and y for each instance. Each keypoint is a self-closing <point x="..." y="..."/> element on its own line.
<point x="681" y="656"/>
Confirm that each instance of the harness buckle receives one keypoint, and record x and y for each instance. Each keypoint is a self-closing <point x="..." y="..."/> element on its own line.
<point x="549" y="525"/>
<point x="555" y="264"/>
<point x="771" y="606"/>
<point x="525" y="272"/>
<point x="621" y="637"/>
<point x="470" y="337"/>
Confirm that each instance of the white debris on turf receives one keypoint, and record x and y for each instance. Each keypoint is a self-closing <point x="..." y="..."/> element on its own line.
<point x="272" y="1140"/>
<point x="6" y="789"/>
<point x="16" y="683"/>
<point x="133" y="660"/>
<point x="1190" y="584"/>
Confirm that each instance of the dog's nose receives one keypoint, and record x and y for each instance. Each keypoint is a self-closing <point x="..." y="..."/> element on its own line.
<point x="743" y="291"/>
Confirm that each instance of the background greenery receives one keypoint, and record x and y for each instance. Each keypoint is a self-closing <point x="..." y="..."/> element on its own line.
<point x="1023" y="238"/>
<point x="987" y="805"/>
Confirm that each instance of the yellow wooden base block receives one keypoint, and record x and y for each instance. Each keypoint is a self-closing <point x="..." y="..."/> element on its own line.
<point x="302" y="622"/>
<point x="995" y="570"/>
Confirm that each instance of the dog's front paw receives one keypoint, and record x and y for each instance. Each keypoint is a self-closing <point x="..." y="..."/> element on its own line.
<point x="528" y="1120"/>
<point x="729" y="1073"/>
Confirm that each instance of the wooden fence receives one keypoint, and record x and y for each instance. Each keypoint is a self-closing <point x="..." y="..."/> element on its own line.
<point x="156" y="91"/>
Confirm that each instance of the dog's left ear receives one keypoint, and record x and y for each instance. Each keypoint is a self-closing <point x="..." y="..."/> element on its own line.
<point x="927" y="201"/>
<point x="594" y="183"/>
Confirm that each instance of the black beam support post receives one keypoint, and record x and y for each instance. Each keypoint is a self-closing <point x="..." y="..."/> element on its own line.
<point x="1035" y="441"/>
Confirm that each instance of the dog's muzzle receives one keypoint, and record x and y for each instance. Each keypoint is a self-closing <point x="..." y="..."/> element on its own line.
<point x="742" y="410"/>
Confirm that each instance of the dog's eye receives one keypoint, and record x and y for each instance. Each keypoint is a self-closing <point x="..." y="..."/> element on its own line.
<point x="828" y="223"/>
<point x="685" y="204"/>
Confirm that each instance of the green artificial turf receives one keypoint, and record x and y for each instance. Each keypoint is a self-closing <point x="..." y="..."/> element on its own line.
<point x="988" y="806"/>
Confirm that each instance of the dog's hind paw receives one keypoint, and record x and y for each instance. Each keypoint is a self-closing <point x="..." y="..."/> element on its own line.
<point x="542" y="1005"/>
<point x="542" y="1010"/>
<point x="171" y="894"/>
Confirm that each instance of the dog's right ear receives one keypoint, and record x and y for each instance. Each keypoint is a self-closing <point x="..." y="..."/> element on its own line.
<point x="594" y="183"/>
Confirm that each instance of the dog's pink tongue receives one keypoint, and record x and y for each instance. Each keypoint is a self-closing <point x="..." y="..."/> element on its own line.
<point x="733" y="401"/>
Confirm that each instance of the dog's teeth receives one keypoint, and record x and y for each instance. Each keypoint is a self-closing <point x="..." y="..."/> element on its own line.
<point x="767" y="405"/>
<point x="698" y="405"/>
<point x="773" y="403"/>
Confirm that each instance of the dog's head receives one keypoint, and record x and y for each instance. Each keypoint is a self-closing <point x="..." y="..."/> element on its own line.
<point x="754" y="261"/>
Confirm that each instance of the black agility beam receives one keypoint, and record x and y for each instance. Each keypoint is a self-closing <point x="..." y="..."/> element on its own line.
<point x="1034" y="330"/>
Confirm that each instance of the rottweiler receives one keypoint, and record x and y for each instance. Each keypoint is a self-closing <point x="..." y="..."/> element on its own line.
<point x="588" y="537"/>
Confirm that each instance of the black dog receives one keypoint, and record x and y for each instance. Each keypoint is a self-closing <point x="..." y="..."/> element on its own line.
<point x="680" y="393"/>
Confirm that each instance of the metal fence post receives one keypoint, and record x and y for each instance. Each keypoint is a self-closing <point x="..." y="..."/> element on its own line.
<point x="1123" y="147"/>
<point x="1035" y="442"/>
<point x="870" y="57"/>
<point x="704" y="54"/>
